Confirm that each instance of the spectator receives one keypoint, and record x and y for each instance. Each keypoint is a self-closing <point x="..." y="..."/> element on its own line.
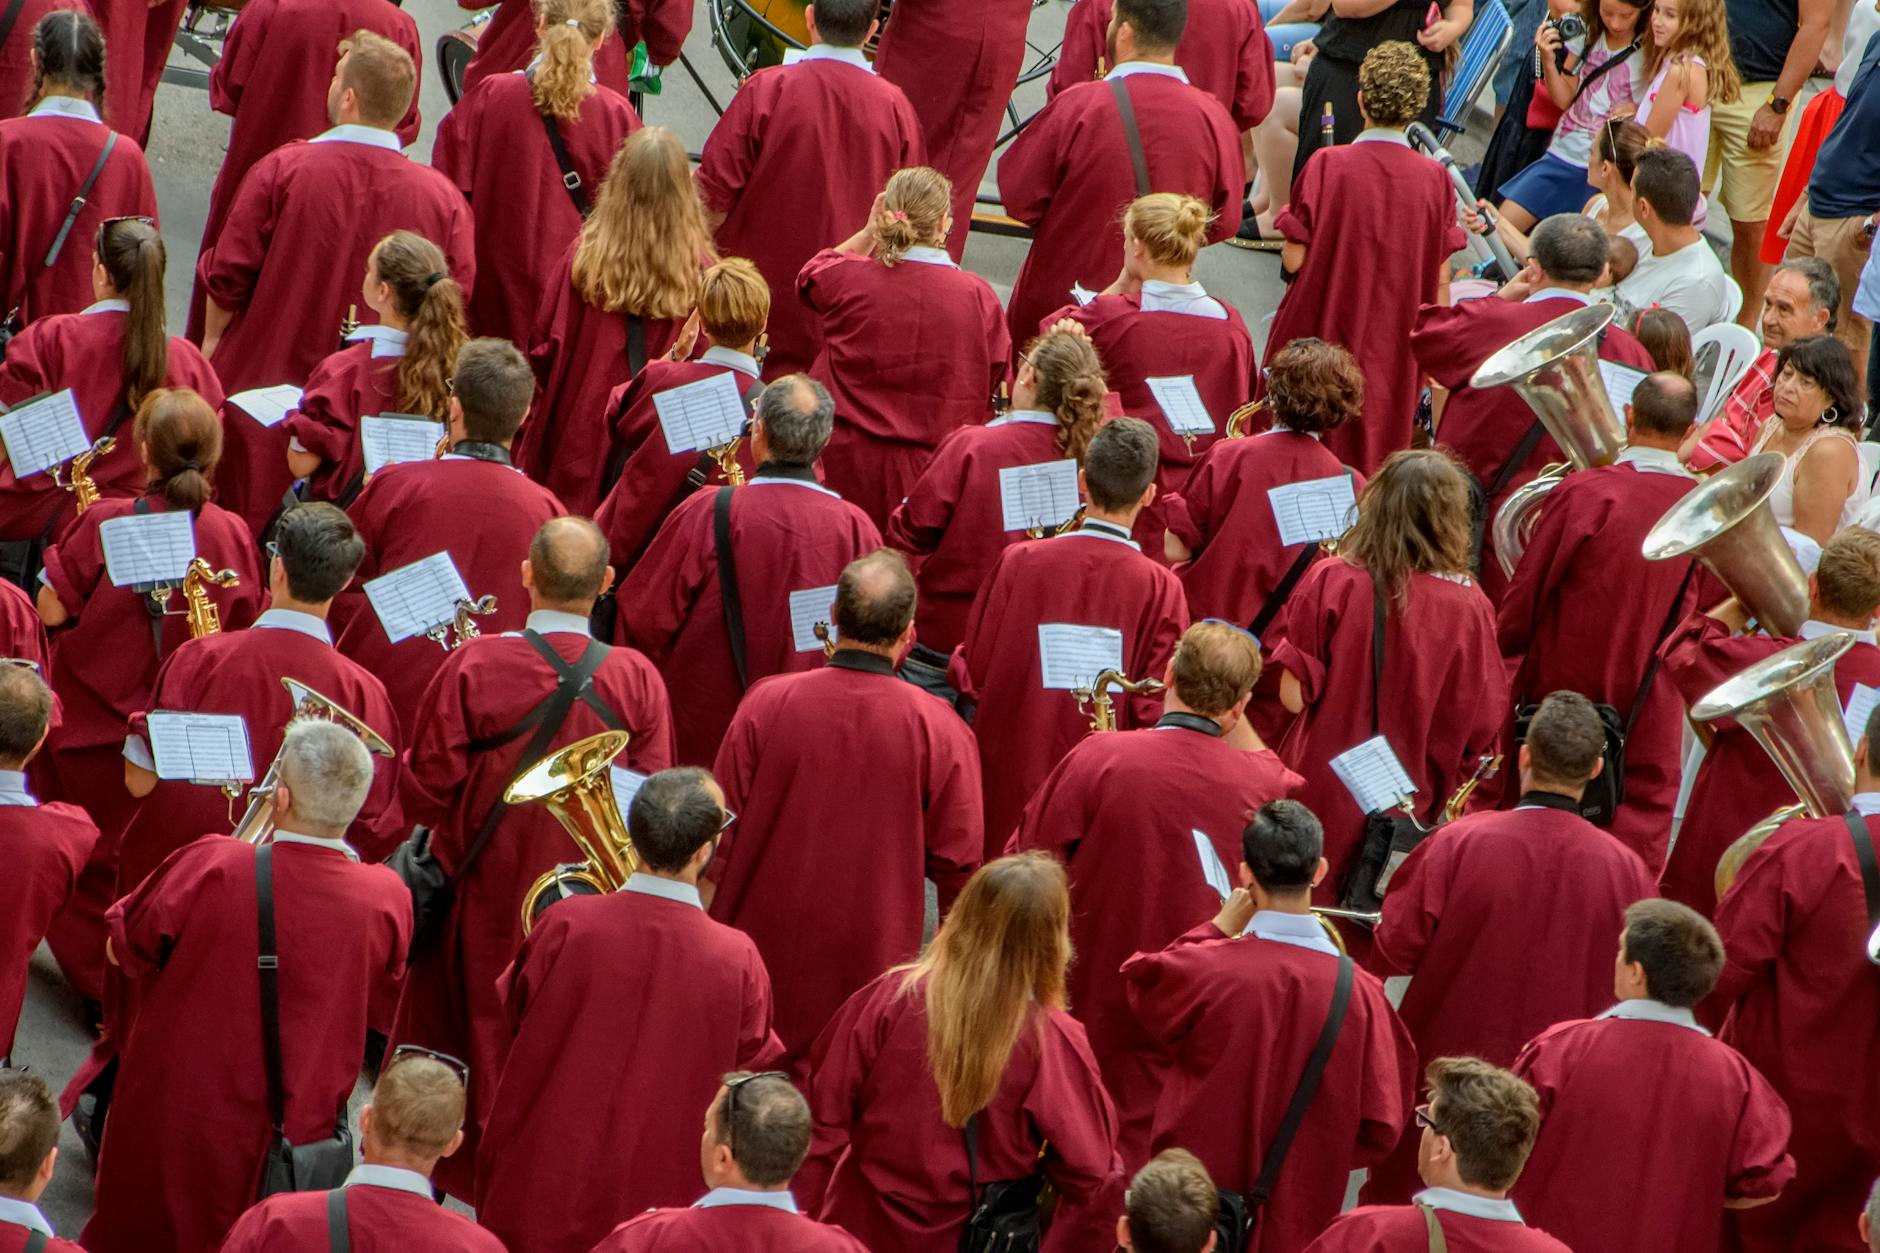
<point x="1352" y="30"/>
<point x="1682" y="274"/>
<point x="1667" y="339"/>
<point x="1689" y="67"/>
<point x="1822" y="486"/>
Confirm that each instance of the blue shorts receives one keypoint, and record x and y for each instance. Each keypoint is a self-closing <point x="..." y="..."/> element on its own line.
<point x="1549" y="186"/>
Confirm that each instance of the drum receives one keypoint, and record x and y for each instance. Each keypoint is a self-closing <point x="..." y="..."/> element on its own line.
<point x="455" y="50"/>
<point x="753" y="34"/>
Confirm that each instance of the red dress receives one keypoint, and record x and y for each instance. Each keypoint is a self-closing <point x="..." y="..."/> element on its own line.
<point x="1224" y="50"/>
<point x="1392" y="1228"/>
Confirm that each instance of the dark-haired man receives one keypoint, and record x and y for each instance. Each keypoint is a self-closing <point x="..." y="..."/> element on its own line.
<point x="1223" y="50"/>
<point x="625" y="1009"/>
<point x="917" y="815"/>
<point x="1170" y="1207"/>
<point x="29" y="1149"/>
<point x="1494" y="896"/>
<point x="1682" y="274"/>
<point x="1236" y="1007"/>
<point x="1644" y="1094"/>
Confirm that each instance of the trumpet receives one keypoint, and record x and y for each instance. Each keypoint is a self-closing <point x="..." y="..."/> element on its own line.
<point x="1240" y="419"/>
<point x="256" y="824"/>
<point x="1095" y="699"/>
<point x="823" y="633"/>
<point x="1069" y="524"/>
<point x="1326" y="913"/>
<point x="84" y="491"/>
<point x="576" y="785"/>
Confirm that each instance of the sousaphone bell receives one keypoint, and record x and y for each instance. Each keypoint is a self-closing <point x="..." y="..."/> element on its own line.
<point x="576" y="785"/>
<point x="1727" y="523"/>
<point x="256" y="824"/>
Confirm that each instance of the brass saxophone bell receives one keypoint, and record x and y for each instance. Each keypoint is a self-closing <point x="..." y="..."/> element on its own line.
<point x="1095" y="699"/>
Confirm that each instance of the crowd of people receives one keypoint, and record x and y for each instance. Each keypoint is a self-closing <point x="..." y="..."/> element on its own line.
<point x="595" y="644"/>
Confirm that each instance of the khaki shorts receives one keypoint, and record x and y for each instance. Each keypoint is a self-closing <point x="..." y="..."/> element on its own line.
<point x="1750" y="175"/>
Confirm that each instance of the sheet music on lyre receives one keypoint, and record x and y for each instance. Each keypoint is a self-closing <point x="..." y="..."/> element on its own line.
<point x="1043" y="494"/>
<point x="1070" y="655"/>
<point x="205" y="748"/>
<point x="1313" y="510"/>
<point x="43" y="433"/>
<point x="1181" y="404"/>
<point x="415" y="598"/>
<point x="147" y="548"/>
<point x="1373" y="775"/>
<point x="389" y="438"/>
<point x="1620" y="380"/>
<point x="808" y="606"/>
<point x="1860" y="705"/>
<point x="267" y="405"/>
<point x="1213" y="869"/>
<point x="702" y="414"/>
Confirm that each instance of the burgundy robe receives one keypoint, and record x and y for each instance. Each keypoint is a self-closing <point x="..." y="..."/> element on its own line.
<point x="953" y="518"/>
<point x="16" y="55"/>
<point x="378" y="1220"/>
<point x="1119" y="811"/>
<point x="1393" y="1228"/>
<point x="508" y="43"/>
<point x="1689" y="1119"/>
<point x="731" y="1226"/>
<point x="1444" y="697"/>
<point x="872" y="849"/>
<point x="350" y="384"/>
<point x="484" y="688"/>
<point x="44" y="848"/>
<point x="1473" y="912"/>
<point x="1803" y="1000"/>
<point x="1371" y="260"/>
<point x="85" y="353"/>
<point x="493" y="146"/>
<point x="910" y="352"/>
<point x="787" y="535"/>
<point x="1090" y="578"/>
<point x="138" y="36"/>
<point x="902" y="1184"/>
<point x="1224" y="50"/>
<point x="958" y="66"/>
<point x="1229" y="1024"/>
<point x="44" y="160"/>
<point x="1069" y="177"/>
<point x="13" y="1240"/>
<point x="294" y="245"/>
<point x="23" y="635"/>
<point x="193" y="1064"/>
<point x="773" y="148"/>
<point x="562" y="1163"/>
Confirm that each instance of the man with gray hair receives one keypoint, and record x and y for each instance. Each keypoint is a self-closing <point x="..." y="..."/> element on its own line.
<point x="730" y="588"/>
<point x="189" y="1123"/>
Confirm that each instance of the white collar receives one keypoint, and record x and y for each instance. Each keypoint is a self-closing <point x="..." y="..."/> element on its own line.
<point x="828" y="52"/>
<point x="1813" y="630"/>
<point x="1559" y="293"/>
<point x="1278" y="429"/>
<point x="1497" y="1210"/>
<point x="664" y="889"/>
<point x="387" y="341"/>
<point x="926" y="255"/>
<point x="1654" y="461"/>
<point x="1191" y="299"/>
<point x="1867" y="803"/>
<point x="1096" y="529"/>
<point x="1036" y="417"/>
<point x="765" y="480"/>
<point x="354" y="133"/>
<point x="106" y="306"/>
<point x="742" y="362"/>
<point x="294" y="837"/>
<point x="375" y="1176"/>
<point x="1643" y="1010"/>
<point x="1298" y="930"/>
<point x="741" y="1196"/>
<point x="1147" y="67"/>
<point x="294" y="620"/>
<point x="67" y="106"/>
<point x="549" y="621"/>
<point x="24" y="1214"/>
<point x="1380" y="135"/>
<point x="13" y="789"/>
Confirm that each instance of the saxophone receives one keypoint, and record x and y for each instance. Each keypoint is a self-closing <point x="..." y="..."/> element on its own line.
<point x="204" y="618"/>
<point x="1095" y="699"/>
<point x="1069" y="524"/>
<point x="726" y="455"/>
<point x="84" y="491"/>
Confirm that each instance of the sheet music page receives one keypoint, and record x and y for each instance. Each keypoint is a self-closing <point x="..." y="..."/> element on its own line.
<point x="1213" y="869"/>
<point x="1081" y="294"/>
<point x="1313" y="510"/>
<point x="1860" y="703"/>
<point x="808" y="606"/>
<point x="1042" y="494"/>
<point x="43" y="434"/>
<point x="1373" y="775"/>
<point x="1620" y="381"/>
<point x="389" y="438"/>
<point x="210" y="748"/>
<point x="148" y="547"/>
<point x="701" y="415"/>
<point x="1071" y="656"/>
<point x="412" y="599"/>
<point x="626" y="786"/>
<point x="1181" y="405"/>
<point x="267" y="405"/>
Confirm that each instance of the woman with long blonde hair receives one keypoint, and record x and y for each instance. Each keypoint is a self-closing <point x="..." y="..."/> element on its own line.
<point x="626" y="287"/>
<point x="974" y="1039"/>
<point x="495" y="145"/>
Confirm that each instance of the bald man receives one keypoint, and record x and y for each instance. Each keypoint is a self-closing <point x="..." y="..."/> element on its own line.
<point x="913" y="812"/>
<point x="499" y="704"/>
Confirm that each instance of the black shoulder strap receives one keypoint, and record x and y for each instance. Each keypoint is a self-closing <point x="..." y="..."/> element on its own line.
<point x="35" y="1239"/>
<point x="78" y="201"/>
<point x="1522" y="451"/>
<point x="971" y="1134"/>
<point x="7" y="20"/>
<point x="570" y="177"/>
<point x="1308" y="1084"/>
<point x="1672" y="618"/>
<point x="1869" y="868"/>
<point x="269" y="963"/>
<point x="1276" y="599"/>
<point x="1378" y="609"/>
<point x="1602" y="69"/>
<point x="728" y="582"/>
<point x="1138" y="159"/>
<point x="636" y="344"/>
<point x="338" y="1231"/>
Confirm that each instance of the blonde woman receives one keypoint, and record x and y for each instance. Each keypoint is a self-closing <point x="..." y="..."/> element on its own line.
<point x="495" y="146"/>
<point x="625" y="289"/>
<point x="971" y="1040"/>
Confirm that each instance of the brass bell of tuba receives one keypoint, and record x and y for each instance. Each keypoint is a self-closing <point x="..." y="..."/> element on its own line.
<point x="256" y="824"/>
<point x="1095" y="699"/>
<point x="1727" y="523"/>
<point x="1555" y="369"/>
<point x="576" y="785"/>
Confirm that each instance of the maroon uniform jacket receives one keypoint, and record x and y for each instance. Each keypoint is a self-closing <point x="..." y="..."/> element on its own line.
<point x="728" y="1225"/>
<point x="595" y="1118"/>
<point x="1224" y="50"/>
<point x="358" y="381"/>
<point x="380" y="1218"/>
<point x="16" y="55"/>
<point x="23" y="635"/>
<point x="1398" y="1228"/>
<point x="13" y="1239"/>
<point x="44" y="848"/>
<point x="508" y="43"/>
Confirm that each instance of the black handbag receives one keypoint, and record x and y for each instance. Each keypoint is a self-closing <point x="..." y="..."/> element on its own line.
<point x="1389" y="836"/>
<point x="1005" y="1216"/>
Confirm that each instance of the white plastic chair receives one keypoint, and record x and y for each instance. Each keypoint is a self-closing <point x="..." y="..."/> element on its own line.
<point x="1733" y="349"/>
<point x="1734" y="305"/>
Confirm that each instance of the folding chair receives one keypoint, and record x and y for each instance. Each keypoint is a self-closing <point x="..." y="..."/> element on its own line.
<point x="1482" y="47"/>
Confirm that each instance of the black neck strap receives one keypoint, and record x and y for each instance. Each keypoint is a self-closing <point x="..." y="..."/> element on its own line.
<point x="1548" y="800"/>
<point x="477" y="450"/>
<point x="1190" y="722"/>
<point x="778" y="470"/>
<point x="860" y="659"/>
<point x="1105" y="528"/>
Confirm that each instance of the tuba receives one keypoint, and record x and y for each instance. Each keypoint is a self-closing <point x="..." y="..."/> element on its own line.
<point x="1095" y="699"/>
<point x="576" y="785"/>
<point x="1555" y="369"/>
<point x="204" y="618"/>
<point x="1789" y="704"/>
<point x="1726" y="522"/>
<point x="257" y="824"/>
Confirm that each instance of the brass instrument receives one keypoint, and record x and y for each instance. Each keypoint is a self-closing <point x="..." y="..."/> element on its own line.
<point x="204" y="618"/>
<point x="822" y="632"/>
<point x="349" y="323"/>
<point x="84" y="491"/>
<point x="1095" y="699"/>
<point x="726" y="455"/>
<point x="463" y="626"/>
<point x="576" y="785"/>
<point x="1726" y="522"/>
<point x="1063" y="528"/>
<point x="1240" y="419"/>
<point x="1484" y="769"/>
<point x="256" y="824"/>
<point x="1555" y="369"/>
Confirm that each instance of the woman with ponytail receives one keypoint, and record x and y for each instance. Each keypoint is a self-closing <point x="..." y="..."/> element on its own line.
<point x="402" y="364"/>
<point x="112" y="354"/>
<point x="494" y="145"/>
<point x="46" y="158"/>
<point x="952" y="516"/>
<point x="913" y="347"/>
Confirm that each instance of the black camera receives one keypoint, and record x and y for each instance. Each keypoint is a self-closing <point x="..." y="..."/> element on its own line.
<point x="1571" y="27"/>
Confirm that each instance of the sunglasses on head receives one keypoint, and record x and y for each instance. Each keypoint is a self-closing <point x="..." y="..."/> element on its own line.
<point x="457" y="1065"/>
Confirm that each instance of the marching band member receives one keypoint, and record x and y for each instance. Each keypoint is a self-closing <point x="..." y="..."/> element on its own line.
<point x="620" y="299"/>
<point x="1700" y="1129"/>
<point x="29" y="1127"/>
<point x="306" y="217"/>
<point x="525" y="223"/>
<point x="481" y="716"/>
<point x="511" y="39"/>
<point x="1094" y="578"/>
<point x="773" y="147"/>
<point x="1464" y="915"/>
<point x="783" y="533"/>
<point x="16" y="55"/>
<point x="1122" y="812"/>
<point x="913" y="347"/>
<point x="1170" y="1207"/>
<point x="23" y="635"/>
<point x="1231" y="1011"/>
<point x="1068" y="177"/>
<point x="919" y="818"/>
<point x="1223" y="50"/>
<point x="650" y="1002"/>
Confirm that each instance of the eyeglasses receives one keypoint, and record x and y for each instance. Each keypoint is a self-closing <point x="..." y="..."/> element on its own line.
<point x="732" y="1085"/>
<point x="1424" y="1119"/>
<point x="457" y="1065"/>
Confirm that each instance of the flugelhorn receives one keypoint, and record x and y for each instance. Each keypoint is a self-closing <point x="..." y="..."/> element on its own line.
<point x="1555" y="369"/>
<point x="726" y="455"/>
<point x="1727" y="523"/>
<point x="1095" y="699"/>
<point x="257" y="821"/>
<point x="576" y="785"/>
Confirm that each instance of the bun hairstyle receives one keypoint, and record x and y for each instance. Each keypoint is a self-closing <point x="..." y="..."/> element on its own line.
<point x="1171" y="227"/>
<point x="1069" y="380"/>
<point x="571" y="30"/>
<point x="71" y="54"/>
<point x="182" y="440"/>
<point x="914" y="208"/>
<point x="431" y="300"/>
<point x="133" y="258"/>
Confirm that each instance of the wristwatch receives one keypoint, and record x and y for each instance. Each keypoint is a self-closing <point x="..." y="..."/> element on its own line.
<point x="1779" y="105"/>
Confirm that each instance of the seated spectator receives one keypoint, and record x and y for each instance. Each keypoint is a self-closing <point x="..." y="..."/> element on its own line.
<point x="1682" y="274"/>
<point x="1171" y="1205"/>
<point x="1816" y="426"/>
<point x="1666" y="338"/>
